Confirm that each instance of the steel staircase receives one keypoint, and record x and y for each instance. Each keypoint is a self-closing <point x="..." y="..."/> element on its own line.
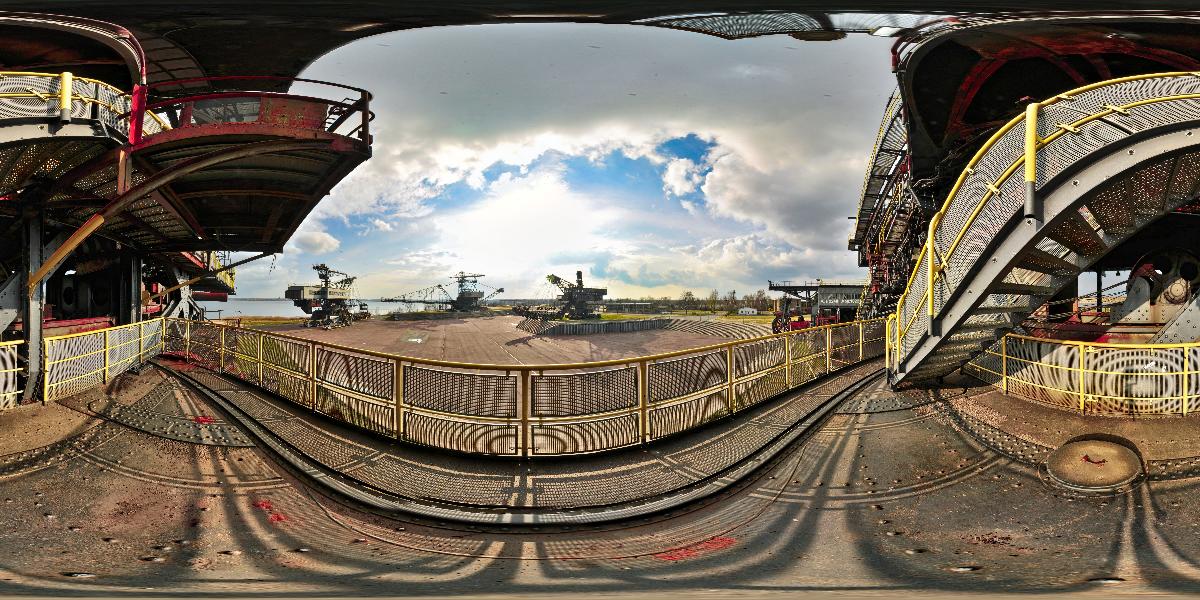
<point x="1103" y="162"/>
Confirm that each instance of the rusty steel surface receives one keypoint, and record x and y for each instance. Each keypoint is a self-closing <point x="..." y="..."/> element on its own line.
<point x="888" y="496"/>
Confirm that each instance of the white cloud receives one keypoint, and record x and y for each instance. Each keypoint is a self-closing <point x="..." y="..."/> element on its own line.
<point x="315" y="242"/>
<point x="681" y="177"/>
<point x="522" y="221"/>
<point x="789" y="133"/>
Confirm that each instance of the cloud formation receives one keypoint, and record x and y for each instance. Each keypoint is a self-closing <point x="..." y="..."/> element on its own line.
<point x="470" y="145"/>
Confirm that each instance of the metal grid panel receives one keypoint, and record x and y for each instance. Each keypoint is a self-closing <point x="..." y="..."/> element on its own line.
<point x="808" y="369"/>
<point x="289" y="385"/>
<point x="584" y="393"/>
<point x="756" y="357"/>
<point x="153" y="342"/>
<point x="123" y="349"/>
<point x="362" y="373"/>
<point x="1135" y="380"/>
<point x="478" y="410"/>
<point x="242" y="367"/>
<point x="12" y="371"/>
<point x="374" y="415"/>
<point x="450" y="434"/>
<point x="585" y="436"/>
<point x="460" y="393"/>
<point x="681" y="416"/>
<point x="284" y="353"/>
<point x="679" y="377"/>
<point x="205" y="345"/>
<point x="77" y="362"/>
<point x="242" y="341"/>
<point x="749" y="393"/>
<point x="73" y="365"/>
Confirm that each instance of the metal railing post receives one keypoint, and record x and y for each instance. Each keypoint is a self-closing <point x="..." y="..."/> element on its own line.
<point x="1082" y="375"/>
<point x="730" y="400"/>
<point x="399" y="399"/>
<point x="860" y="342"/>
<point x="887" y="343"/>
<point x="787" y="358"/>
<point x="523" y="411"/>
<point x="828" y="349"/>
<point x="644" y="400"/>
<point x="66" y="89"/>
<point x="1187" y="375"/>
<point x="106" y="361"/>
<point x="312" y="376"/>
<point x="187" y="341"/>
<point x="260" y="359"/>
<point x="221" y="351"/>
<point x="45" y="350"/>
<point x="1004" y="364"/>
<point x="1033" y="204"/>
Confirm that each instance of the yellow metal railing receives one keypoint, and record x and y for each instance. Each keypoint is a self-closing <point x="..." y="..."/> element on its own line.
<point x="525" y="410"/>
<point x="919" y="297"/>
<point x="78" y="361"/>
<point x="1094" y="377"/>
<point x="227" y="276"/>
<point x="66" y="94"/>
<point x="12" y="373"/>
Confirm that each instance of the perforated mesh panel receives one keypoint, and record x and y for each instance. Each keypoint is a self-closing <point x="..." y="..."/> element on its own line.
<point x="756" y="390"/>
<point x="365" y="374"/>
<point x="758" y="356"/>
<point x="674" y="418"/>
<point x="584" y="393"/>
<point x="11" y="371"/>
<point x="461" y="393"/>
<point x="589" y="436"/>
<point x="287" y="384"/>
<point x="460" y="436"/>
<point x="374" y="415"/>
<point x="679" y="377"/>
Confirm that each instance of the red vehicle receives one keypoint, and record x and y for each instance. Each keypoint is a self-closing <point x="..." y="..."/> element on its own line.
<point x="796" y="322"/>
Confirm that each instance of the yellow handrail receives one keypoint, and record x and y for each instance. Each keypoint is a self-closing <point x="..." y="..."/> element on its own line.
<point x="371" y="389"/>
<point x="1079" y="381"/>
<point x="1032" y="144"/>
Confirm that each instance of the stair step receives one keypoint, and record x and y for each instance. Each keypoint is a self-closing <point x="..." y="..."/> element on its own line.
<point x="1041" y="261"/>
<point x="1077" y="235"/>
<point x="1004" y="309"/>
<point x="1113" y="216"/>
<point x="1021" y="289"/>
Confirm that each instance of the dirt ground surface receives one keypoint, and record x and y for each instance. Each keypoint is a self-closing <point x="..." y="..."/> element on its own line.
<point x="888" y="497"/>
<point x="496" y="340"/>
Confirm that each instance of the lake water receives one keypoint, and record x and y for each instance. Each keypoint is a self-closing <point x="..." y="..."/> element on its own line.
<point x="284" y="308"/>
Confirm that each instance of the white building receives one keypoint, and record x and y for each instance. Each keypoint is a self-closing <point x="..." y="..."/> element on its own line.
<point x="746" y="310"/>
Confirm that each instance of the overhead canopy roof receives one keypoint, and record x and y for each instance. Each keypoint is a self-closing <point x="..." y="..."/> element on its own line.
<point x="281" y="37"/>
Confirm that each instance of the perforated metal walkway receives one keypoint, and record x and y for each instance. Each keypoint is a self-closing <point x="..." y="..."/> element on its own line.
<point x="600" y="480"/>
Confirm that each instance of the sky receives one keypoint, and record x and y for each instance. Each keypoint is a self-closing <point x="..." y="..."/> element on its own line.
<point x="655" y="161"/>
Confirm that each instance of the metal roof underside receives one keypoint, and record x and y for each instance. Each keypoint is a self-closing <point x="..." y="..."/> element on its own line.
<point x="276" y="37"/>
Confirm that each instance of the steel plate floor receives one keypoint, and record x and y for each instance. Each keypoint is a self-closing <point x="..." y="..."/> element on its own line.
<point x="876" y="501"/>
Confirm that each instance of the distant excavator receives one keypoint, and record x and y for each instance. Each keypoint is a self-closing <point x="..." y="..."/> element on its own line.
<point x="472" y="296"/>
<point x="577" y="301"/>
<point x="330" y="304"/>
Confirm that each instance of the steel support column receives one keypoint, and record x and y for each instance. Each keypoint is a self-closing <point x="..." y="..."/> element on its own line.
<point x="129" y="288"/>
<point x="32" y="303"/>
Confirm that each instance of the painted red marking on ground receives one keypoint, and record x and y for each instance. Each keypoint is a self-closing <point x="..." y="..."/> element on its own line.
<point x="1098" y="463"/>
<point x="263" y="504"/>
<point x="276" y="518"/>
<point x="709" y="545"/>
<point x="203" y="420"/>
